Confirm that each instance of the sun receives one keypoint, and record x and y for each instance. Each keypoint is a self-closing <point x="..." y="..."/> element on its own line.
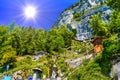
<point x="30" y="12"/>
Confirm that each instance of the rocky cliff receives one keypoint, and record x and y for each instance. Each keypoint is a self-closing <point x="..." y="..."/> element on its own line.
<point x="79" y="15"/>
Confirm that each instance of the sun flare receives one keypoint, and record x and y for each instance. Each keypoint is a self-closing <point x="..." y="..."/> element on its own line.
<point x="30" y="12"/>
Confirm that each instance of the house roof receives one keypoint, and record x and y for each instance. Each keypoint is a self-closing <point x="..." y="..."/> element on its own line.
<point x="37" y="69"/>
<point x="97" y="39"/>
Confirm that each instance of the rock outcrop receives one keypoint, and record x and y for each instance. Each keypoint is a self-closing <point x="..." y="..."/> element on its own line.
<point x="78" y="17"/>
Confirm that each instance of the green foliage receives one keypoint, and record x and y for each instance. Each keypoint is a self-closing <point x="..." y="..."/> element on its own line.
<point x="91" y="71"/>
<point x="100" y="67"/>
<point x="40" y="39"/>
<point x="110" y="49"/>
<point x="62" y="65"/>
<point x="74" y="32"/>
<point x="100" y="28"/>
<point x="7" y="53"/>
<point x="77" y="15"/>
<point x="9" y="56"/>
<point x="115" y="22"/>
<point x="55" y="42"/>
<point x="67" y="35"/>
<point x="115" y="4"/>
<point x="27" y="40"/>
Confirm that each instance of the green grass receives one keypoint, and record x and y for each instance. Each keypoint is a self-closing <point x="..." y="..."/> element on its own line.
<point x="25" y="64"/>
<point x="45" y="63"/>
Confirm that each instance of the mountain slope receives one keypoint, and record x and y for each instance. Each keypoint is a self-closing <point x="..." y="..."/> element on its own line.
<point x="79" y="15"/>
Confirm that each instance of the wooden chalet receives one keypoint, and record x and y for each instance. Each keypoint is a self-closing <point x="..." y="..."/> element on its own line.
<point x="98" y="47"/>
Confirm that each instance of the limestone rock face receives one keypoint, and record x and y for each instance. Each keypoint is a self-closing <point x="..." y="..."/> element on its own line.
<point x="66" y="18"/>
<point x="78" y="16"/>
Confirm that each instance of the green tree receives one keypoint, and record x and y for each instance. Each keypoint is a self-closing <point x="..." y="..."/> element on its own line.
<point x="16" y="40"/>
<point x="40" y="39"/>
<point x="23" y="40"/>
<point x="100" y="27"/>
<point x="115" y="22"/>
<point x="67" y="35"/>
<point x="55" y="41"/>
<point x="114" y="4"/>
<point x="9" y="55"/>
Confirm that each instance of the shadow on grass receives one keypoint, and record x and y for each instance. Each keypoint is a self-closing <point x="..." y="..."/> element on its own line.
<point x="2" y="69"/>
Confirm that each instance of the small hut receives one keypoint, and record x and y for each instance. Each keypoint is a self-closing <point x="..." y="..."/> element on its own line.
<point x="37" y="73"/>
<point x="39" y="55"/>
<point x="98" y="47"/>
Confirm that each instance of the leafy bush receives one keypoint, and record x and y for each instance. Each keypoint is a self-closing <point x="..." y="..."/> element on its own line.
<point x="77" y="15"/>
<point x="91" y="71"/>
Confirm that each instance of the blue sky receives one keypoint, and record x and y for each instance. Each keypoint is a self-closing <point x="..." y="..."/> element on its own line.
<point x="48" y="12"/>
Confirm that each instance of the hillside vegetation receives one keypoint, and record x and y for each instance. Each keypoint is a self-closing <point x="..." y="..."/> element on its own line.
<point x="99" y="68"/>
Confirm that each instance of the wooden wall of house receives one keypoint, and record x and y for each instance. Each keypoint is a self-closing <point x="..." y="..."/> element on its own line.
<point x="98" y="47"/>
